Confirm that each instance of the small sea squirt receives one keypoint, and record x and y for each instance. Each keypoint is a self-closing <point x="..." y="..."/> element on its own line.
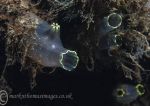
<point x="47" y="48"/>
<point x="125" y="93"/>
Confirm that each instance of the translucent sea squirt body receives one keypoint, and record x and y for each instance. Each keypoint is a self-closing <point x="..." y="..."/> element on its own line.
<point x="46" y="48"/>
<point x="126" y="93"/>
<point x="111" y="22"/>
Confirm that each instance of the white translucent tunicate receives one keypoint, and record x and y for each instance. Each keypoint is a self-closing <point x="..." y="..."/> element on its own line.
<point x="114" y="40"/>
<point x="47" y="49"/>
<point x="111" y="22"/>
<point x="126" y="93"/>
<point x="110" y="40"/>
